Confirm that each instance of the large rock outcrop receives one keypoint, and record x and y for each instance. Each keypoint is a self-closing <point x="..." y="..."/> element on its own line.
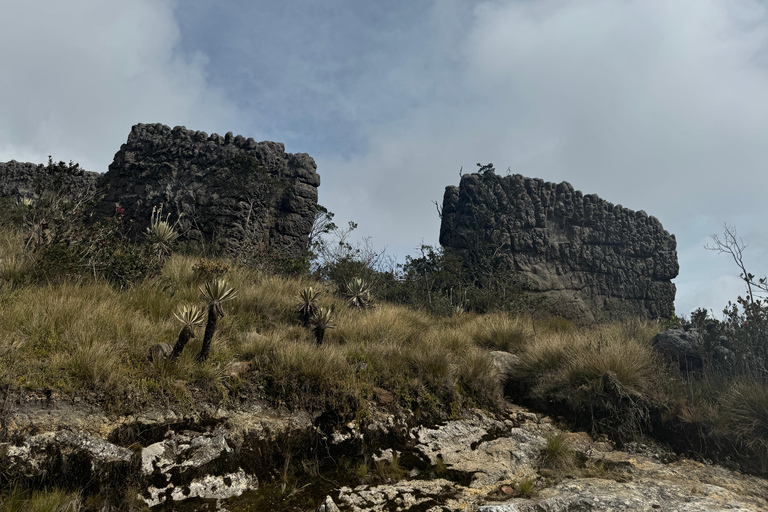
<point x="21" y="180"/>
<point x="227" y="190"/>
<point x="479" y="462"/>
<point x="587" y="256"/>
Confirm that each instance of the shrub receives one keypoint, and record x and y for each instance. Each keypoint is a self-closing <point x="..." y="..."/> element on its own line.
<point x="208" y="270"/>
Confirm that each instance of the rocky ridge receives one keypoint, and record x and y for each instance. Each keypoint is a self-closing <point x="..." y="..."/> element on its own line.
<point x="480" y="462"/>
<point x="227" y="191"/>
<point x="19" y="180"/>
<point x="587" y="256"/>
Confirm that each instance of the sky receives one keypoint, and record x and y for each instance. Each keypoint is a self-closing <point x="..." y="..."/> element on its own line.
<point x="653" y="104"/>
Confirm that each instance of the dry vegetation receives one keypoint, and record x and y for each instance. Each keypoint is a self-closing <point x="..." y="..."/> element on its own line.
<point x="83" y="336"/>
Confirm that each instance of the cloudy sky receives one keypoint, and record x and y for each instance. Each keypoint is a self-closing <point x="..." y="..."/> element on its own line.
<point x="660" y="105"/>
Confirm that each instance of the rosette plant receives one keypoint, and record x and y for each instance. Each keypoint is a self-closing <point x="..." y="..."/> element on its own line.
<point x="321" y="321"/>
<point x="358" y="294"/>
<point x="161" y="234"/>
<point x="215" y="293"/>
<point x="307" y="305"/>
<point x="190" y="317"/>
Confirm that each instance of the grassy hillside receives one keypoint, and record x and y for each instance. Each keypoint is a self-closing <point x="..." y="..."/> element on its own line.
<point x="66" y="332"/>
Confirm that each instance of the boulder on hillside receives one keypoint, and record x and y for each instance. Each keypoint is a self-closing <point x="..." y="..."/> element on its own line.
<point x="680" y="347"/>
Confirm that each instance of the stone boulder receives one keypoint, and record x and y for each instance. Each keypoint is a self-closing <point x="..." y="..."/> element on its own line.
<point x="587" y="257"/>
<point x="680" y="347"/>
<point x="239" y="194"/>
<point x="69" y="459"/>
<point x="193" y="465"/>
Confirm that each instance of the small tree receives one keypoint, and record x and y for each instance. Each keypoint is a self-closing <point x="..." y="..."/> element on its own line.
<point x="745" y="324"/>
<point x="215" y="293"/>
<point x="191" y="317"/>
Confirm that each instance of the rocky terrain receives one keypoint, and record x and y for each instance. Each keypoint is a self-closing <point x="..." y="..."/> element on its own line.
<point x="587" y="256"/>
<point x="234" y="193"/>
<point x="24" y="181"/>
<point x="225" y="457"/>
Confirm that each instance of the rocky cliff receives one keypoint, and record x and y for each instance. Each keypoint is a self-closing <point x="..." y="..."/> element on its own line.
<point x="235" y="192"/>
<point x="587" y="256"/>
<point x="24" y="180"/>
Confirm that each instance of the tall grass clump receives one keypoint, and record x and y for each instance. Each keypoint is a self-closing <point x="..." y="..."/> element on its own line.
<point x="53" y="500"/>
<point x="499" y="331"/>
<point x="745" y="404"/>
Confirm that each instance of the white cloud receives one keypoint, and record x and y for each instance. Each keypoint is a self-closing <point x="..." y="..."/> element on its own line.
<point x="78" y="74"/>
<point x="656" y="105"/>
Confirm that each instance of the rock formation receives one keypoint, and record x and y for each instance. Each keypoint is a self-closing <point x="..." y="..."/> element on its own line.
<point x="477" y="462"/>
<point x="23" y="180"/>
<point x="585" y="255"/>
<point x="232" y="191"/>
<point x="235" y="193"/>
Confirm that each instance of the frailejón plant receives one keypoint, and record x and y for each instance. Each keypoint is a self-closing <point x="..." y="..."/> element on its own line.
<point x="359" y="294"/>
<point x="215" y="293"/>
<point x="307" y="305"/>
<point x="321" y="321"/>
<point x="191" y="317"/>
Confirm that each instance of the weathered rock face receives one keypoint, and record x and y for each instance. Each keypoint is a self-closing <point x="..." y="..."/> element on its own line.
<point x="228" y="190"/>
<point x="17" y="180"/>
<point x="231" y="191"/>
<point x="476" y="463"/>
<point x="584" y="254"/>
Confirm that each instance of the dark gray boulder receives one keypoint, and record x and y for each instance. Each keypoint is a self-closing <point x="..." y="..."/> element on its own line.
<point x="680" y="347"/>
<point x="236" y="193"/>
<point x="587" y="257"/>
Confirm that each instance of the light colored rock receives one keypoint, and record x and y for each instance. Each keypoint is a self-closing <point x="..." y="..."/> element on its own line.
<point x="67" y="459"/>
<point x="219" y="487"/>
<point x="405" y="495"/>
<point x="179" y="460"/>
<point x="328" y="506"/>
<point x="487" y="449"/>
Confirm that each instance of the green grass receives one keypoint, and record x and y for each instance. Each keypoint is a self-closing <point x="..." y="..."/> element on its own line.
<point x="557" y="453"/>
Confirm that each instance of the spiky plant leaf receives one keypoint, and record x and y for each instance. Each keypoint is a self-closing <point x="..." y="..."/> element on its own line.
<point x="307" y="306"/>
<point x="217" y="292"/>
<point x="358" y="294"/>
<point x="323" y="318"/>
<point x="161" y="233"/>
<point x="321" y="321"/>
<point x="189" y="315"/>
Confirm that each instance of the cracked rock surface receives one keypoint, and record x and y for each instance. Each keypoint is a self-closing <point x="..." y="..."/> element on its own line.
<point x="583" y="253"/>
